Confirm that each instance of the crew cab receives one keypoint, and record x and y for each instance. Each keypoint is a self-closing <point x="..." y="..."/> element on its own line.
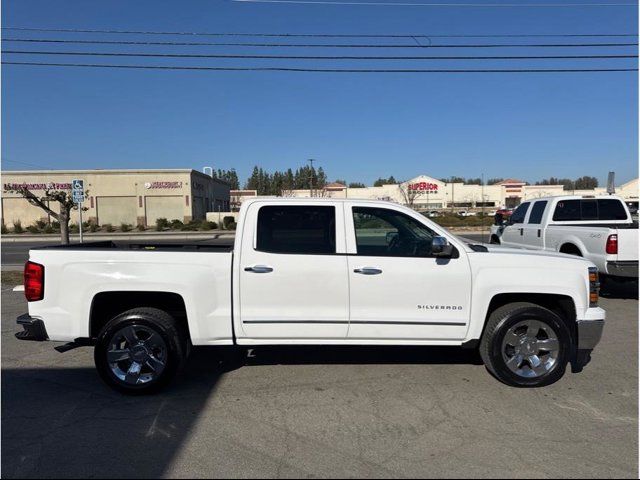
<point x="599" y="229"/>
<point x="314" y="271"/>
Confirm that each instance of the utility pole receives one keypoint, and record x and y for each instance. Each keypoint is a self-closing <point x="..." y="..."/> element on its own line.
<point x="483" y="231"/>
<point x="311" y="160"/>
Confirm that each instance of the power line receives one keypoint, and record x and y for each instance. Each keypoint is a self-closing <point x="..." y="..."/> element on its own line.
<point x="472" y="5"/>
<point x="324" y="70"/>
<point x="317" y="57"/>
<point x="312" y="35"/>
<point x="319" y="45"/>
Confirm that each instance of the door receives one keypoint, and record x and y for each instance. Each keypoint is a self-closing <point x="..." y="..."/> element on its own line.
<point x="293" y="273"/>
<point x="533" y="234"/>
<point x="513" y="232"/>
<point x="399" y="291"/>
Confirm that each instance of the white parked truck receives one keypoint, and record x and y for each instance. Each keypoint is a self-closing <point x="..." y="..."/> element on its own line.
<point x="599" y="229"/>
<point x="314" y="271"/>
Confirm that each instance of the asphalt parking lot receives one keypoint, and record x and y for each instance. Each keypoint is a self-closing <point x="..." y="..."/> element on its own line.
<point x="322" y="412"/>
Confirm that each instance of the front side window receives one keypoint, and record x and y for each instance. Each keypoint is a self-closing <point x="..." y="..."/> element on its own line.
<point x="537" y="211"/>
<point x="519" y="213"/>
<point x="297" y="229"/>
<point x="382" y="232"/>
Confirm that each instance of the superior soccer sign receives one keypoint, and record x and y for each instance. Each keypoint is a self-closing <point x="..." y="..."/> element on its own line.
<point x="423" y="187"/>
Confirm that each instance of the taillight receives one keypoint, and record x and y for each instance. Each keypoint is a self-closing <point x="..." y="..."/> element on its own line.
<point x="33" y="281"/>
<point x="594" y="287"/>
<point x="612" y="244"/>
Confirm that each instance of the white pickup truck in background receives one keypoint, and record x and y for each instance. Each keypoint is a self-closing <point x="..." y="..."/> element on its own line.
<point x="314" y="271"/>
<point x="599" y="229"/>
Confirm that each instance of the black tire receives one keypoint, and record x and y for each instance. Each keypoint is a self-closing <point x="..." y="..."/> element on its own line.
<point x="174" y="353"/>
<point x="498" y="325"/>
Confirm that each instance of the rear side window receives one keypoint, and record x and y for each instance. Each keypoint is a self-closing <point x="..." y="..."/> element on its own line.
<point x="567" y="210"/>
<point x="537" y="211"/>
<point x="611" y="209"/>
<point x="601" y="209"/>
<point x="519" y="213"/>
<point x="589" y="209"/>
<point x="297" y="229"/>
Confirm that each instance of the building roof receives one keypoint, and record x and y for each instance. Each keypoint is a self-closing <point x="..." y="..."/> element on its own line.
<point x="335" y="186"/>
<point x="512" y="181"/>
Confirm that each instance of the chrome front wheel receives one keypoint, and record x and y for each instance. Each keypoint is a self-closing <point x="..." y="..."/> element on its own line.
<point x="530" y="348"/>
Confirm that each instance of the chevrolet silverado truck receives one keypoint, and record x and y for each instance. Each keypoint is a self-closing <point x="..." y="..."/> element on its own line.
<point x="314" y="271"/>
<point x="599" y="229"/>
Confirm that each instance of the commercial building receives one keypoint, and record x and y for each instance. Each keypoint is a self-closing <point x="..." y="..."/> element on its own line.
<point x="425" y="193"/>
<point x="134" y="197"/>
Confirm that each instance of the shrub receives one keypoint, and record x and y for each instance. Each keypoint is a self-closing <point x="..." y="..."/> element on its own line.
<point x="162" y="224"/>
<point x="56" y="225"/>
<point x="17" y="227"/>
<point x="108" y="227"/>
<point x="191" y="226"/>
<point x="125" y="227"/>
<point x="232" y="226"/>
<point x="40" y="224"/>
<point x="141" y="227"/>
<point x="3" y="229"/>
<point x="226" y="221"/>
<point x="49" y="229"/>
<point x="33" y="229"/>
<point x="93" y="227"/>
<point x="176" y="224"/>
<point x="74" y="228"/>
<point x="207" y="225"/>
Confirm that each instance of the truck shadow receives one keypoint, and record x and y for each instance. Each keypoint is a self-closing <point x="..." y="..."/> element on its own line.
<point x="64" y="422"/>
<point x="627" y="290"/>
<point x="350" y="355"/>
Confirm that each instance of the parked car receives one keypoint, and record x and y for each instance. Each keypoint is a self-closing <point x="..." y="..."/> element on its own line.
<point x="314" y="271"/>
<point x="466" y="213"/>
<point x="434" y="214"/>
<point x="600" y="229"/>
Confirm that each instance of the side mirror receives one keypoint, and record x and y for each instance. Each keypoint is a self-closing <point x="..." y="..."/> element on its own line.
<point x="441" y="248"/>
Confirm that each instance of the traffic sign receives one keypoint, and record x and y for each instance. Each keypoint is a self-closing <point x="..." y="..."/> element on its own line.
<point x="77" y="191"/>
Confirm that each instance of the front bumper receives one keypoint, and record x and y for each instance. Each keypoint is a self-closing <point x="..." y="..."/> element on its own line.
<point x="34" y="329"/>
<point x="589" y="333"/>
<point x="623" y="269"/>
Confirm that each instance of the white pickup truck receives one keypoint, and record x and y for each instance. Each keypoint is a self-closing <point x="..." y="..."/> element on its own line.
<point x="314" y="271"/>
<point x="599" y="229"/>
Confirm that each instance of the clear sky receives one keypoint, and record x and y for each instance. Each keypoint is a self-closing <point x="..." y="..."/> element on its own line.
<point x="358" y="126"/>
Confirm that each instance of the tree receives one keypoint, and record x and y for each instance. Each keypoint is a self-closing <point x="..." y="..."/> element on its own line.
<point x="409" y="195"/>
<point x="64" y="199"/>
<point x="357" y="185"/>
<point x="229" y="176"/>
<point x="343" y="182"/>
<point x="474" y="181"/>
<point x="586" y="183"/>
<point x="385" y="181"/>
<point x="453" y="180"/>
<point x="494" y="181"/>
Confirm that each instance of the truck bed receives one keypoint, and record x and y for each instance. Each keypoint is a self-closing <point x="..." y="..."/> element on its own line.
<point x="147" y="246"/>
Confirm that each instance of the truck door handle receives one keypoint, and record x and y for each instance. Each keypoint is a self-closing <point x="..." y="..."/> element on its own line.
<point x="259" y="269"/>
<point x="521" y="231"/>
<point x="539" y="233"/>
<point x="368" y="271"/>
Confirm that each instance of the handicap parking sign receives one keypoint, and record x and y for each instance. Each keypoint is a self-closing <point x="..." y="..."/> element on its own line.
<point x="77" y="191"/>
